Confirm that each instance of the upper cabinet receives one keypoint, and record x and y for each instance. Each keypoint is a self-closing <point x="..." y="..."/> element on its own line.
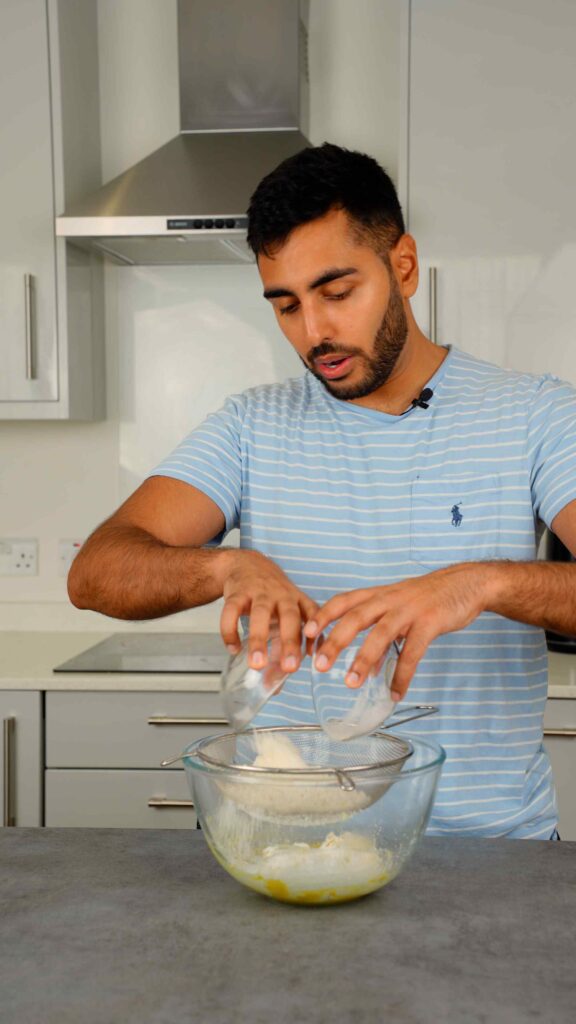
<point x="51" y="324"/>
<point x="491" y="169"/>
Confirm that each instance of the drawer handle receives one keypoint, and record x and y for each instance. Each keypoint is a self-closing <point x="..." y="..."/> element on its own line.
<point x="570" y="733"/>
<point x="29" y="325"/>
<point x="433" y="303"/>
<point x="167" y="720"/>
<point x="161" y="804"/>
<point x="9" y="814"/>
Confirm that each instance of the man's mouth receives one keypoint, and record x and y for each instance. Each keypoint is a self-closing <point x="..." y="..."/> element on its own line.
<point x="333" y="367"/>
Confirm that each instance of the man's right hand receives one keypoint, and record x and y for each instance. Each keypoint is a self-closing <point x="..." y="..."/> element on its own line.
<point x="254" y="585"/>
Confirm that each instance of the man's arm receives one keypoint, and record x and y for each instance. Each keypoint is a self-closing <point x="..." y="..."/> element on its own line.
<point x="418" y="610"/>
<point x="147" y="560"/>
<point x="144" y="562"/>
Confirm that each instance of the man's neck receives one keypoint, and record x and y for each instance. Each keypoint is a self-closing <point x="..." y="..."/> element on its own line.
<point x="418" y="362"/>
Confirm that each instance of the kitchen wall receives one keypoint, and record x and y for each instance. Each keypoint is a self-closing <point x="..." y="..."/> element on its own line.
<point x="178" y="340"/>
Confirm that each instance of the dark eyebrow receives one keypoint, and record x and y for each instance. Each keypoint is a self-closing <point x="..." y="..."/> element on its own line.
<point x="329" y="275"/>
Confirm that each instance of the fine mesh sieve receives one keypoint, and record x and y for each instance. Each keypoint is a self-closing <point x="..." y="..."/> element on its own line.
<point x="340" y="777"/>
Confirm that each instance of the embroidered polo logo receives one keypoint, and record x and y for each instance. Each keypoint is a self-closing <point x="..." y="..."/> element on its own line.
<point x="456" y="514"/>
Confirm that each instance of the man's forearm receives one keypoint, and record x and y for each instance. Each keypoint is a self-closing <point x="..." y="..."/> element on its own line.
<point x="127" y="573"/>
<point x="538" y="593"/>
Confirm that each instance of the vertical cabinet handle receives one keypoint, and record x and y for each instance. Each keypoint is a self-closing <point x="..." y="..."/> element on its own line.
<point x="9" y="811"/>
<point x="433" y="306"/>
<point x="29" y="321"/>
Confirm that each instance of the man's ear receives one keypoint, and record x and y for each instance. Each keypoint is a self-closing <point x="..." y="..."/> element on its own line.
<point x="404" y="262"/>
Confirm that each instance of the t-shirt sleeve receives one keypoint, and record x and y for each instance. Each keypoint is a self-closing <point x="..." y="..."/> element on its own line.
<point x="210" y="458"/>
<point x="552" y="447"/>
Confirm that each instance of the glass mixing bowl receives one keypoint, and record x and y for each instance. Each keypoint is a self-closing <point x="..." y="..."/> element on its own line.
<point x="341" y="826"/>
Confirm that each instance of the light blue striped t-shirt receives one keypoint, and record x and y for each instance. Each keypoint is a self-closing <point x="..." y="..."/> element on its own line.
<point x="343" y="497"/>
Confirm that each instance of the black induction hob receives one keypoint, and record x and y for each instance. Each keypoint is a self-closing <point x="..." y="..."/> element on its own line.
<point x="151" y="652"/>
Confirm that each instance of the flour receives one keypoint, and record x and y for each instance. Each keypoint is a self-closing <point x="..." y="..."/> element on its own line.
<point x="296" y="796"/>
<point x="342" y="867"/>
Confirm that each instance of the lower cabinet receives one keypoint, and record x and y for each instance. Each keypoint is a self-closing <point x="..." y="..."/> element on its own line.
<point x="118" y="799"/>
<point x="560" y="742"/>
<point x="21" y="757"/>
<point x="103" y="754"/>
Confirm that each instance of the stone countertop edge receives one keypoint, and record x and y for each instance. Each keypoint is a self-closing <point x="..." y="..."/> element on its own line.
<point x="27" y="660"/>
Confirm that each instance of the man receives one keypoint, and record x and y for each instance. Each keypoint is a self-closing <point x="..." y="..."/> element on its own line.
<point x="395" y="487"/>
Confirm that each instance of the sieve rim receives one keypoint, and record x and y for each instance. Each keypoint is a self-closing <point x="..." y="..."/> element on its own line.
<point x="196" y="750"/>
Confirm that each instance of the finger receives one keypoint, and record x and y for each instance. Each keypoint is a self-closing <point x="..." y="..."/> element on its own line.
<point x="334" y="609"/>
<point x="259" y="632"/>
<point x="234" y="606"/>
<point x="415" y="646"/>
<point x="308" y="609"/>
<point x="344" y="632"/>
<point x="290" y="625"/>
<point x="371" y="656"/>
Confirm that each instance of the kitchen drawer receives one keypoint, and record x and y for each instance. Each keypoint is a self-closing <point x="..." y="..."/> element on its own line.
<point x="560" y="742"/>
<point x="560" y="714"/>
<point x="126" y="730"/>
<point x="117" y="799"/>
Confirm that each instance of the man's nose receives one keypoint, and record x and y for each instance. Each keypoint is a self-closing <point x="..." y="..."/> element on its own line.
<point x="317" y="326"/>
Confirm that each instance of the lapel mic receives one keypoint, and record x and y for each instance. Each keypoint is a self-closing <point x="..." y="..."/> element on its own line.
<point x="423" y="399"/>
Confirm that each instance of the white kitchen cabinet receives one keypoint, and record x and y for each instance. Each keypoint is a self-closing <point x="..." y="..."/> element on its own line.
<point x="491" y="162"/>
<point x="51" y="324"/>
<point x="560" y="742"/>
<point x="103" y="754"/>
<point x="21" y="757"/>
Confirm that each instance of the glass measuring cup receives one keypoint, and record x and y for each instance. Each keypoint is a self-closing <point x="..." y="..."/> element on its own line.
<point x="245" y="690"/>
<point x="344" y="712"/>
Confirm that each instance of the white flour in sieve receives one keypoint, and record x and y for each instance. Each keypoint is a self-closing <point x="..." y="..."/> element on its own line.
<point x="297" y="796"/>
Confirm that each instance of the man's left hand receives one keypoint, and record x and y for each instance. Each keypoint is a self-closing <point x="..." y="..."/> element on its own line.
<point x="416" y="611"/>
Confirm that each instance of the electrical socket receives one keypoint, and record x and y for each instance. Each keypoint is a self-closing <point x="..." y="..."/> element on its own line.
<point x="18" y="556"/>
<point x="67" y="551"/>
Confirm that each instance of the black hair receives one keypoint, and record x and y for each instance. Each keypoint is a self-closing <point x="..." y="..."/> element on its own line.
<point x="315" y="180"/>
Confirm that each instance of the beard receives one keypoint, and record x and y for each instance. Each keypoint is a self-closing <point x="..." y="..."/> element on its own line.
<point x="389" y="342"/>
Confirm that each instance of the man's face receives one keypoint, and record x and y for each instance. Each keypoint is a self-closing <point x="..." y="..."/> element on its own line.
<point x="338" y="304"/>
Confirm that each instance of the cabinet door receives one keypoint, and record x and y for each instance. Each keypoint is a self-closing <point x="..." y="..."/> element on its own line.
<point x="492" y="162"/>
<point x="118" y="799"/>
<point x="21" y="757"/>
<point x="560" y="742"/>
<point x="126" y="730"/>
<point x="28" y="340"/>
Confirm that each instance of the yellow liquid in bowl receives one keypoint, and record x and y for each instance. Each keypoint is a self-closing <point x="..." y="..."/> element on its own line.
<point x="340" y="869"/>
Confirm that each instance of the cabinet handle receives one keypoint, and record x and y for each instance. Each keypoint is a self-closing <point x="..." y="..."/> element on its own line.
<point x="29" y="322"/>
<point x="433" y="306"/>
<point x="9" y="815"/>
<point x="167" y="720"/>
<point x="161" y="804"/>
<point x="570" y="733"/>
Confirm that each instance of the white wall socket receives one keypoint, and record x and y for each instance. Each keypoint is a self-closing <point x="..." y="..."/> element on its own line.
<point x="18" y="557"/>
<point x="67" y="551"/>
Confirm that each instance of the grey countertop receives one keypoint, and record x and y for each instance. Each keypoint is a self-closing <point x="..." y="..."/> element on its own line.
<point x="120" y="926"/>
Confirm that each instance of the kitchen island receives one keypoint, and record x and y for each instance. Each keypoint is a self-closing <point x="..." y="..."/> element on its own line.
<point x="114" y="926"/>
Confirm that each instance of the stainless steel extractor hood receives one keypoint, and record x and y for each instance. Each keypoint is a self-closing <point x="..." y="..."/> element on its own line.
<point x="243" y="109"/>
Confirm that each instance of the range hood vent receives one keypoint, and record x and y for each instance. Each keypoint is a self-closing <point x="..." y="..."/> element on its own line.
<point x="243" y="75"/>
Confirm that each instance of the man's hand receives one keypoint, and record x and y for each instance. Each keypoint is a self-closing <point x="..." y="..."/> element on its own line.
<point x="254" y="585"/>
<point x="416" y="611"/>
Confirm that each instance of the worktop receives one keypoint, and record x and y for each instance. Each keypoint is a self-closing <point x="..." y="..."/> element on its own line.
<point x="27" y="660"/>
<point x="144" y="927"/>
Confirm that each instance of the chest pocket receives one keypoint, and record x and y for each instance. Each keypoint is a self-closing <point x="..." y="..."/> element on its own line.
<point x="456" y="519"/>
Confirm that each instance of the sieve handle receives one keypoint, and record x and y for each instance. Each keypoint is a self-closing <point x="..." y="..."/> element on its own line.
<point x="416" y="711"/>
